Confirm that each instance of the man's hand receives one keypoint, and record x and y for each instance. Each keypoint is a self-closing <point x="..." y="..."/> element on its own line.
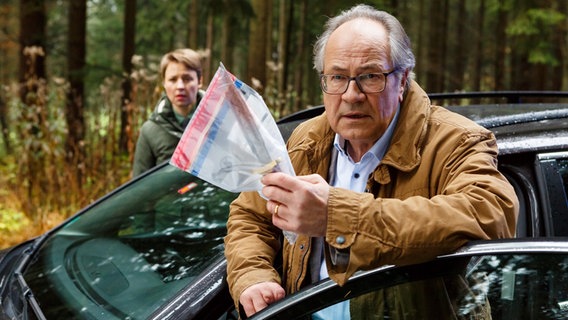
<point x="298" y="204"/>
<point x="259" y="296"/>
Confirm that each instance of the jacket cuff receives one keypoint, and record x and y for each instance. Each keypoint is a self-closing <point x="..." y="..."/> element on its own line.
<point x="342" y="222"/>
<point x="342" y="218"/>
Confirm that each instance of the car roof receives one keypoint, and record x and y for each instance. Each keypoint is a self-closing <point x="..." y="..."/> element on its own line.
<point x="522" y="127"/>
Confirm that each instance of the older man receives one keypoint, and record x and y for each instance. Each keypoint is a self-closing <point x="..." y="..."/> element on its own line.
<point x="383" y="177"/>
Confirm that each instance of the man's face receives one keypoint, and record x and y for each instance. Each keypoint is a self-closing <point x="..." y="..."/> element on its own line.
<point x="360" y="47"/>
<point x="181" y="85"/>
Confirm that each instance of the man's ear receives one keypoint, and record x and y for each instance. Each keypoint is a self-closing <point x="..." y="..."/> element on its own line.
<point x="403" y="84"/>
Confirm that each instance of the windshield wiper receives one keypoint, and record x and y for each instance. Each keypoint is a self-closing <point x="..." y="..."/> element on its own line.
<point x="27" y="295"/>
<point x="29" y="298"/>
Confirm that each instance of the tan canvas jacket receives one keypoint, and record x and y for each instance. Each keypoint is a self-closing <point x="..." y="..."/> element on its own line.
<point x="437" y="188"/>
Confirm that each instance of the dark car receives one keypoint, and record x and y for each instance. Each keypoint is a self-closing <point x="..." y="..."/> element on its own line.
<point x="153" y="248"/>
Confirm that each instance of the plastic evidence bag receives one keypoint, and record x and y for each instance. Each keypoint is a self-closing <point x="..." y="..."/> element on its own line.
<point x="232" y="139"/>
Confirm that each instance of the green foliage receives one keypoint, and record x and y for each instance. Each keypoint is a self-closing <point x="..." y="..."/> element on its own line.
<point x="104" y="19"/>
<point x="161" y="26"/>
<point x="535" y="22"/>
<point x="536" y="26"/>
<point x="12" y="221"/>
<point x="542" y="53"/>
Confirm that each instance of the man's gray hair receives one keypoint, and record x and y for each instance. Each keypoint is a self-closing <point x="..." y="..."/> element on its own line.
<point x="400" y="47"/>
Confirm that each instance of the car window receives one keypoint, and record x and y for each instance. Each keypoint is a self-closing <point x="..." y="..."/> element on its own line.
<point x="552" y="170"/>
<point x="495" y="286"/>
<point x="563" y="170"/>
<point x="134" y="250"/>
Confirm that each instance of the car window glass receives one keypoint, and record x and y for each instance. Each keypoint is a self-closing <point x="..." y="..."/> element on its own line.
<point x="512" y="286"/>
<point x="563" y="169"/>
<point x="551" y="178"/>
<point x="131" y="252"/>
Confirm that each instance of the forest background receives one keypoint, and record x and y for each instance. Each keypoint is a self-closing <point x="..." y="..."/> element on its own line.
<point x="78" y="77"/>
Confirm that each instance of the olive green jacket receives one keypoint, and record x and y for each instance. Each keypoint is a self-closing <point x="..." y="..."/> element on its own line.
<point x="159" y="136"/>
<point x="436" y="188"/>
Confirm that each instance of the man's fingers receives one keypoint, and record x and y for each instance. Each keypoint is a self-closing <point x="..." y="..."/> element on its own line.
<point x="280" y="180"/>
<point x="259" y="296"/>
<point x="258" y="303"/>
<point x="253" y="304"/>
<point x="312" y="178"/>
<point x="284" y="188"/>
<point x="248" y="307"/>
<point x="274" y="294"/>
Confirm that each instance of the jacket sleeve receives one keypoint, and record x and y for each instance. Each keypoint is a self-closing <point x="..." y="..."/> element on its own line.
<point x="449" y="199"/>
<point x="144" y="157"/>
<point x="251" y="244"/>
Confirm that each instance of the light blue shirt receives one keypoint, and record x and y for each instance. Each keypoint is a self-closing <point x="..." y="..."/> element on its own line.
<point x="353" y="176"/>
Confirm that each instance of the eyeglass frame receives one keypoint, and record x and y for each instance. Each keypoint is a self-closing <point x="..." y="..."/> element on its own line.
<point x="356" y="78"/>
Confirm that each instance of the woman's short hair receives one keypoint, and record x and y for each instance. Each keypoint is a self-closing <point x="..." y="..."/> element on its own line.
<point x="188" y="57"/>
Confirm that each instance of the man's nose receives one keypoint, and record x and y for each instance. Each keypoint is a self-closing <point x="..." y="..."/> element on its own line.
<point x="354" y="92"/>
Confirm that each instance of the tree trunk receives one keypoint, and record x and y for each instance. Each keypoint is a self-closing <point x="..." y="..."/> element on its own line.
<point x="257" y="45"/>
<point x="284" y="24"/>
<point x="478" y="63"/>
<point x="420" y="44"/>
<point x="126" y="143"/>
<point x="441" y="73"/>
<point x="208" y="65"/>
<point x="300" y="58"/>
<point x="282" y="51"/>
<point x="500" y="48"/>
<point x="395" y="6"/>
<point x="226" y="36"/>
<point x="75" y="97"/>
<point x="436" y="45"/>
<point x="460" y="46"/>
<point x="6" y="18"/>
<point x="4" y="125"/>
<point x="268" y="50"/>
<point x="32" y="51"/>
<point x="522" y="76"/>
<point x="312" y="90"/>
<point x="559" y="43"/>
<point x="33" y="95"/>
<point x="193" y="15"/>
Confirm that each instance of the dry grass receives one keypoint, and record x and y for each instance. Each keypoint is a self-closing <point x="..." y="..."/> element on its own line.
<point x="39" y="185"/>
<point x="15" y="225"/>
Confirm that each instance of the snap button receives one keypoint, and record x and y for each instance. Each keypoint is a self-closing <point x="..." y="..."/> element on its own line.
<point x="340" y="240"/>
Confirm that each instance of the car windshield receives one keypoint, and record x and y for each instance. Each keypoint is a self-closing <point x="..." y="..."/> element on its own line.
<point x="133" y="251"/>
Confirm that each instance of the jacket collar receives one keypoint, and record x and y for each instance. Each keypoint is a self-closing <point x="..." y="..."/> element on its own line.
<point x="410" y="132"/>
<point x="164" y="112"/>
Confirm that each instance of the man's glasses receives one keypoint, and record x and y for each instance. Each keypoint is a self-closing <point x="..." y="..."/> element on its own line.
<point x="367" y="83"/>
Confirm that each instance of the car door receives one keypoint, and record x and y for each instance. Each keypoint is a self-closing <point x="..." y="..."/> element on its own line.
<point x="510" y="279"/>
